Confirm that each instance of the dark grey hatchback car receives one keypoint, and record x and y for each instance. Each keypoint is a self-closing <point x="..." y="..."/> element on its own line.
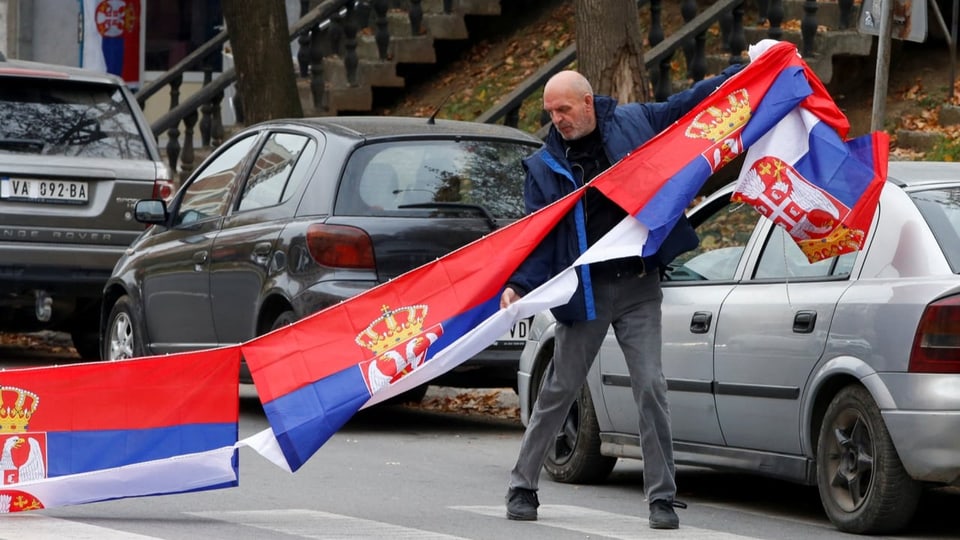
<point x="289" y="217"/>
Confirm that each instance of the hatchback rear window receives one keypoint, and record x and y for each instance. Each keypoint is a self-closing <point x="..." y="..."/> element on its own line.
<point x="61" y="117"/>
<point x="941" y="210"/>
<point x="406" y="178"/>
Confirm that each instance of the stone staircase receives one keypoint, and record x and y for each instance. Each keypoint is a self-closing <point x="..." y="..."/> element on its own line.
<point x="406" y="46"/>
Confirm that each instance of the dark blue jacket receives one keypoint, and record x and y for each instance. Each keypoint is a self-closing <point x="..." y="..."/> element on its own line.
<point x="623" y="128"/>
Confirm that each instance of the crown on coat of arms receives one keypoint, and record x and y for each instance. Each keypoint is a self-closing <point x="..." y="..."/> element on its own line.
<point x="16" y="408"/>
<point x="717" y="123"/>
<point x="392" y="328"/>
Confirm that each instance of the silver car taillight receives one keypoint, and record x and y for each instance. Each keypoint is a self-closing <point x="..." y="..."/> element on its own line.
<point x="936" y="346"/>
<point x="163" y="187"/>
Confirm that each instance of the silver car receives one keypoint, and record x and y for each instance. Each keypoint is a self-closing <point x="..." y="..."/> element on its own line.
<point x="843" y="374"/>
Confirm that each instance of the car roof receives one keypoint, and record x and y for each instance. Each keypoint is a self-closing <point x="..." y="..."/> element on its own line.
<point x="38" y="70"/>
<point x="915" y="173"/>
<point x="371" y="127"/>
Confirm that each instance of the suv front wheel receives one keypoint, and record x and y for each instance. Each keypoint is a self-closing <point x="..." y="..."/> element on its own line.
<point x="122" y="340"/>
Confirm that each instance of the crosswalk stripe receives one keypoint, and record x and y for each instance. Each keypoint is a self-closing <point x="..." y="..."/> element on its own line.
<point x="604" y="524"/>
<point x="40" y="527"/>
<point x="316" y="524"/>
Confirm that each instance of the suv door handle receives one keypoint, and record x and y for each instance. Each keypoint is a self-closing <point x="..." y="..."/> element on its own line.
<point x="700" y="322"/>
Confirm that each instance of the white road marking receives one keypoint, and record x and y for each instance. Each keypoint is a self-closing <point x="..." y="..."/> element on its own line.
<point x="40" y="527"/>
<point x="316" y="524"/>
<point x="605" y="524"/>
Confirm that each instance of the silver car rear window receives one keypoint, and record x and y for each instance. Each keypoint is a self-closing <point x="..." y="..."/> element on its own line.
<point x="60" y="117"/>
<point x="941" y="210"/>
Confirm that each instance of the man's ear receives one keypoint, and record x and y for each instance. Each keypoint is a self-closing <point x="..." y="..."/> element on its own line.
<point x="588" y="101"/>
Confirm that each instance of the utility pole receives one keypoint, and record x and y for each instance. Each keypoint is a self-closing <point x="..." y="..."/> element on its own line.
<point x="883" y="66"/>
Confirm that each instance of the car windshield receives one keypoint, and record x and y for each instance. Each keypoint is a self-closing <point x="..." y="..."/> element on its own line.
<point x="67" y="118"/>
<point x="941" y="210"/>
<point x="461" y="178"/>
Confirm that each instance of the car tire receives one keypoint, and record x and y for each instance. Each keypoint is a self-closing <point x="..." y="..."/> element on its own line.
<point x="122" y="338"/>
<point x="285" y="318"/>
<point x="574" y="457"/>
<point x="863" y="485"/>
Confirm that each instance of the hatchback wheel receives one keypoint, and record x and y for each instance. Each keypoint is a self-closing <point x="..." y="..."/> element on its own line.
<point x="863" y="485"/>
<point x="575" y="455"/>
<point x="122" y="339"/>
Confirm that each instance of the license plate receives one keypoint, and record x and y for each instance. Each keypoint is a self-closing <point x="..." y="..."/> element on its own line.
<point x="518" y="332"/>
<point x="43" y="191"/>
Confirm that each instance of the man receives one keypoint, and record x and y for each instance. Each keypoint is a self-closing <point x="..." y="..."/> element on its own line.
<point x="588" y="134"/>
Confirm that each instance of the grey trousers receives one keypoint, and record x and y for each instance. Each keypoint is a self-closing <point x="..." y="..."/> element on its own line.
<point x="632" y="305"/>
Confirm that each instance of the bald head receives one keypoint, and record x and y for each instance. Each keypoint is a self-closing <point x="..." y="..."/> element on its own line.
<point x="568" y="99"/>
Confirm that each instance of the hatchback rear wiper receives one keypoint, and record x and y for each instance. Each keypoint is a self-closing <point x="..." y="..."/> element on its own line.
<point x="32" y="146"/>
<point x="456" y="206"/>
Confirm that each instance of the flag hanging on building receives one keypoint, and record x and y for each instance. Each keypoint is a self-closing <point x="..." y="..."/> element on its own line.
<point x="112" y="38"/>
<point x="314" y="375"/>
<point x="82" y="433"/>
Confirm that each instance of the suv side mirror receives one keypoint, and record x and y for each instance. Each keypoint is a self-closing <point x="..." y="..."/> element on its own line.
<point x="150" y="211"/>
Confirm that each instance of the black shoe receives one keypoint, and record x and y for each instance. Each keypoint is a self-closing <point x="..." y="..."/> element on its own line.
<point x="662" y="515"/>
<point x="522" y="504"/>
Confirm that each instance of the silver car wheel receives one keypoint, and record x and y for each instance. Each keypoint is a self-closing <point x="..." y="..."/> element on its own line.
<point x="863" y="485"/>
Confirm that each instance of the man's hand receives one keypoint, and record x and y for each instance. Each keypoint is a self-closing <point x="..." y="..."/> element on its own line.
<point x="508" y="297"/>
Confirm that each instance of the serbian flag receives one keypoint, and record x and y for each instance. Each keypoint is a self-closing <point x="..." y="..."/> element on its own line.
<point x="112" y="36"/>
<point x="657" y="182"/>
<point x="314" y="375"/>
<point x="821" y="189"/>
<point x="82" y="433"/>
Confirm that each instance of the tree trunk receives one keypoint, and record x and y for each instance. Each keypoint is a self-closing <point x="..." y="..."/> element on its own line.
<point x="610" y="48"/>
<point x="260" y="41"/>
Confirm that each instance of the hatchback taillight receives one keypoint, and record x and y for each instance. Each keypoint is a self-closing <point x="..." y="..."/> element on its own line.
<point x="340" y="246"/>
<point x="936" y="347"/>
<point x="163" y="184"/>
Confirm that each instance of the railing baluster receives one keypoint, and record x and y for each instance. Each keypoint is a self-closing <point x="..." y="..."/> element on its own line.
<point x="738" y="41"/>
<point x="775" y="14"/>
<point x="216" y="133"/>
<point x="763" y="11"/>
<point x="382" y="34"/>
<point x="688" y="10"/>
<point x="173" y="134"/>
<point x="846" y="10"/>
<point x="318" y="38"/>
<point x="303" y="52"/>
<point x="416" y="17"/>
<point x="350" y="60"/>
<point x="187" y="158"/>
<point x="808" y="26"/>
<point x="660" y="77"/>
<point x="206" y="109"/>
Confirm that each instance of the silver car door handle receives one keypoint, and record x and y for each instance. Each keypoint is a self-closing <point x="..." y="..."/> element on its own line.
<point x="700" y="322"/>
<point x="804" y="322"/>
